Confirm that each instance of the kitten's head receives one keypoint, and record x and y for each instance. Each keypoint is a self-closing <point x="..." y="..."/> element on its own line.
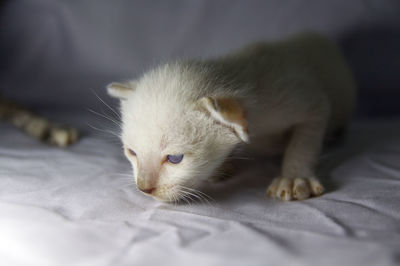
<point x="175" y="138"/>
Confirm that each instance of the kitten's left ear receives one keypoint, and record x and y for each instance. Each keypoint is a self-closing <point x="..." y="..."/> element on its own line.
<point x="120" y="90"/>
<point x="229" y="112"/>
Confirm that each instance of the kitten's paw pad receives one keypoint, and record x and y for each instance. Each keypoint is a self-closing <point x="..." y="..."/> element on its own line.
<point x="301" y="189"/>
<point x="288" y="189"/>
<point x="316" y="187"/>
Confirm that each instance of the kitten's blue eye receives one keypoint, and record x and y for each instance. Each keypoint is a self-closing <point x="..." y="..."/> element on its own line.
<point x="132" y="152"/>
<point x="175" y="158"/>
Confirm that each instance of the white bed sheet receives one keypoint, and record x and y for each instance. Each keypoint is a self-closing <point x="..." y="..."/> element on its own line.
<point x="71" y="207"/>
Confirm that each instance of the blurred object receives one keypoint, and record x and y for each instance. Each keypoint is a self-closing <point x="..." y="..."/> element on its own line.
<point x="36" y="126"/>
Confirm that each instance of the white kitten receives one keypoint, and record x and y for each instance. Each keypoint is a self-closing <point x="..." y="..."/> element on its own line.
<point x="181" y="120"/>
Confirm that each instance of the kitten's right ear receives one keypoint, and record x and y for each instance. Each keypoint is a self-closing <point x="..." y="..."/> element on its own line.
<point x="120" y="90"/>
<point x="229" y="112"/>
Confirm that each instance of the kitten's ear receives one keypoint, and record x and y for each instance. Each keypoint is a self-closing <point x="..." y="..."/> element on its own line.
<point x="120" y="90"/>
<point x="229" y="112"/>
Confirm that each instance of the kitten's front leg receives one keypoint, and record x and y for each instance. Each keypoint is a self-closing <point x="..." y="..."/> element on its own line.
<point x="298" y="180"/>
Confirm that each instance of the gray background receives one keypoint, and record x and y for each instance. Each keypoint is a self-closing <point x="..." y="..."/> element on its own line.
<point x="53" y="53"/>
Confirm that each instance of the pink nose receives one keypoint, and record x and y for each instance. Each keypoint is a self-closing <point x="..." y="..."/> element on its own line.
<point x="148" y="191"/>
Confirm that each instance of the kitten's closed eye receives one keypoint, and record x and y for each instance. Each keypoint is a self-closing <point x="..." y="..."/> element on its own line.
<point x="175" y="159"/>
<point x="131" y="152"/>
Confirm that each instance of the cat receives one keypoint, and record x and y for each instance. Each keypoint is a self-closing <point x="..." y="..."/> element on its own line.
<point x="181" y="120"/>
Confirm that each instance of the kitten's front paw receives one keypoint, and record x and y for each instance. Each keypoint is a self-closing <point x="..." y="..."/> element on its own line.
<point x="286" y="189"/>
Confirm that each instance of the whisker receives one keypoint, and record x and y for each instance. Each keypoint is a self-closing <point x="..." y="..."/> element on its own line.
<point x="112" y="109"/>
<point x="125" y="181"/>
<point x="104" y="116"/>
<point x="183" y="197"/>
<point x="173" y="198"/>
<point x="242" y="158"/>
<point x="125" y="185"/>
<point x="200" y="192"/>
<point x="120" y="180"/>
<point x="201" y="196"/>
<point x="130" y="175"/>
<point x="104" y="131"/>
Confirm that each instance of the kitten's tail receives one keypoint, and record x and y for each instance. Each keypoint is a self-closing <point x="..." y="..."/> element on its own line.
<point x="35" y="125"/>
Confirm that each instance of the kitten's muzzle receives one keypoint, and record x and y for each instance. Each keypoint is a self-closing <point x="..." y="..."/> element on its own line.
<point x="148" y="190"/>
<point x="147" y="181"/>
<point x="146" y="187"/>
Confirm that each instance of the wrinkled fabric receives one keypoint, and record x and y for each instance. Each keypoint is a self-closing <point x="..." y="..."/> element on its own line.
<point x="79" y="206"/>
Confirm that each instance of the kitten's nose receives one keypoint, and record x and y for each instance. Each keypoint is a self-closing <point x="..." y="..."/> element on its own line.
<point x="148" y="191"/>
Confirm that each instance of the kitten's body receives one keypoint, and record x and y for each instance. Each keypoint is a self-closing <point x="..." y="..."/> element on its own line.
<point x="288" y="82"/>
<point x="290" y="93"/>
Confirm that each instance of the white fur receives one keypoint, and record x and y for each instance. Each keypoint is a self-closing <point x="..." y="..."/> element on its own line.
<point x="299" y="86"/>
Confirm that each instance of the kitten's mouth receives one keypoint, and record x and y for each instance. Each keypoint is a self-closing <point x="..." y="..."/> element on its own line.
<point x="183" y="195"/>
<point x="167" y="193"/>
<point x="177" y="194"/>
